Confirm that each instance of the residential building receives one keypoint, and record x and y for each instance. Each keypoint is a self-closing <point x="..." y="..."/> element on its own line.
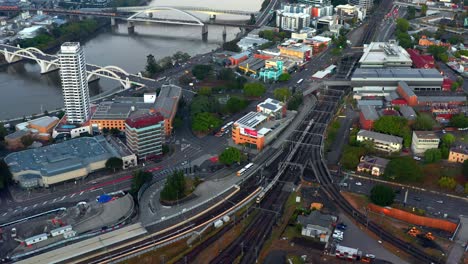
<point x="317" y="225"/>
<point x="367" y="117"/>
<point x="250" y="41"/>
<point x="167" y="104"/>
<point x="299" y="51"/>
<point x="426" y="42"/>
<point x="458" y="154"/>
<point x="296" y="8"/>
<point x="382" y="142"/>
<point x="145" y="134"/>
<point x="424" y="140"/>
<point x="373" y="165"/>
<point x="13" y="141"/>
<point x="367" y="4"/>
<point x="421" y="61"/>
<point x="385" y="55"/>
<point x="351" y="11"/>
<point x="70" y="160"/>
<point x="272" y="108"/>
<point x="292" y="21"/>
<point x="74" y="82"/>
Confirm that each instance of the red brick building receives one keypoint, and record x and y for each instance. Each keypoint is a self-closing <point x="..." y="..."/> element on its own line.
<point x="367" y="117"/>
<point x="407" y="93"/>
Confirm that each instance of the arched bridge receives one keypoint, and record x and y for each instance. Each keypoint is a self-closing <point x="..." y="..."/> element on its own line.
<point x="50" y="63"/>
<point x="134" y="9"/>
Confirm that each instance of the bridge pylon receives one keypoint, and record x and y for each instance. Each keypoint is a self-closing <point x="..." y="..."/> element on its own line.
<point x="204" y="32"/>
<point x="113" y="22"/>
<point x="224" y="34"/>
<point x="130" y="27"/>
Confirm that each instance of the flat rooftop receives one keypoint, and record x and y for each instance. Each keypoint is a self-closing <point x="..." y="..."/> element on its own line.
<point x="61" y="157"/>
<point x="251" y="120"/>
<point x="397" y="74"/>
<point x="44" y="121"/>
<point x="271" y="104"/>
<point x="254" y="64"/>
<point x="112" y="110"/>
<point x="385" y="53"/>
<point x="426" y="134"/>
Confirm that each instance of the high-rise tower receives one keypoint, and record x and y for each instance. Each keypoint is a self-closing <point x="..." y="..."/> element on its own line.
<point x="74" y="82"/>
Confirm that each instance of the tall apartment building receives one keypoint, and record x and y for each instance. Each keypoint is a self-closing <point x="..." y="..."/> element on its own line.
<point x="74" y="82"/>
<point x="367" y="4"/>
<point x="145" y="134"/>
<point x="292" y="21"/>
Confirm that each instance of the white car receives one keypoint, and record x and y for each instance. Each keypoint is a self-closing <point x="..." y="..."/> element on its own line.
<point x="358" y="183"/>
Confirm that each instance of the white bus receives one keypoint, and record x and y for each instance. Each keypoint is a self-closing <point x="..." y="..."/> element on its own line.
<point x="300" y="81"/>
<point x="227" y="126"/>
<point x="245" y="169"/>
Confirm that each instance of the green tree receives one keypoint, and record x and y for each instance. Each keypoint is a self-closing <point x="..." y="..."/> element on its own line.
<point x="439" y="52"/>
<point x="411" y="12"/>
<point x="201" y="104"/>
<point x="382" y="195"/>
<point x="174" y="187"/>
<point x="231" y="155"/>
<point x="448" y="140"/>
<point x="105" y="130"/>
<point x="235" y="105"/>
<point x="465" y="169"/>
<point x="152" y="67"/>
<point x="447" y="183"/>
<point x="139" y="178"/>
<point x="165" y="149"/>
<point x="5" y="174"/>
<point x="205" y="91"/>
<point x="231" y="46"/>
<point x="295" y="101"/>
<point x="3" y="131"/>
<point x="202" y="71"/>
<point x="402" y="25"/>
<point x="284" y="77"/>
<point x="114" y="131"/>
<point x="423" y="10"/>
<point x="394" y="125"/>
<point x="226" y="74"/>
<point x="403" y="169"/>
<point x="114" y="163"/>
<point x="282" y="94"/>
<point x="205" y="122"/>
<point x="254" y="89"/>
<point x="423" y="122"/>
<point x="27" y="140"/>
<point x="351" y="156"/>
<point x="60" y="114"/>
<point x="178" y="122"/>
<point x="432" y="155"/>
<point x="460" y="121"/>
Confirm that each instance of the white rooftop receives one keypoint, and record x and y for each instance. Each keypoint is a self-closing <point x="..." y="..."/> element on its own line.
<point x="381" y="54"/>
<point x="251" y="120"/>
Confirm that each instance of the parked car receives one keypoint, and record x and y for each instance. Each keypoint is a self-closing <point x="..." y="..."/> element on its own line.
<point x="341" y="226"/>
<point x="358" y="183"/>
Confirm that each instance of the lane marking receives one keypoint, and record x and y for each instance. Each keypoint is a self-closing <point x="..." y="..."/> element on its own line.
<point x="71" y="196"/>
<point x="81" y="192"/>
<point x="63" y="198"/>
<point x="24" y="209"/>
<point x="35" y="206"/>
<point x="55" y="199"/>
<point x="44" y="202"/>
<point x="4" y="214"/>
<point x="15" y="211"/>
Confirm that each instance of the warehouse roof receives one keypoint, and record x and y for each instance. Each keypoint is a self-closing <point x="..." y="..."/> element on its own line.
<point x="369" y="112"/>
<point x="380" y="136"/>
<point x="396" y="73"/>
<point x="383" y="53"/>
<point x="167" y="101"/>
<point x="408" y="91"/>
<point x="44" y="121"/>
<point x="454" y="98"/>
<point x="61" y="157"/>
<point x="408" y="112"/>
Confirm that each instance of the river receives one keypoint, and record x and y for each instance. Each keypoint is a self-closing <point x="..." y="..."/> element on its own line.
<point x="25" y="91"/>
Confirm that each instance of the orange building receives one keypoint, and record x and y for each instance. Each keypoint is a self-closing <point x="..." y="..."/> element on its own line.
<point x="238" y="58"/>
<point x="426" y="42"/>
<point x="407" y="93"/>
<point x="244" y="130"/>
<point x="111" y="115"/>
<point x="458" y="154"/>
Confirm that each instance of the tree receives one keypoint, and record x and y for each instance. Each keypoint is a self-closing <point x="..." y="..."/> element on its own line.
<point x="139" y="178"/>
<point x="165" y="149"/>
<point x="423" y="10"/>
<point x="411" y="12"/>
<point x="114" y="163"/>
<point x="3" y="131"/>
<point x="351" y="156"/>
<point x="152" y="66"/>
<point x="382" y="195"/>
<point x="403" y="169"/>
<point x="27" y="140"/>
<point x="5" y="174"/>
<point x="206" y="91"/>
<point x="448" y="140"/>
<point x="284" y="77"/>
<point x="235" y="104"/>
<point x="205" y="122"/>
<point x="295" y="101"/>
<point x="202" y="71"/>
<point x="60" y="114"/>
<point x="200" y="104"/>
<point x="439" y="52"/>
<point x="447" y="183"/>
<point x="174" y="187"/>
<point x="460" y="121"/>
<point x="231" y="46"/>
<point x="254" y="89"/>
<point x="226" y="74"/>
<point x="423" y="122"/>
<point x="230" y="156"/>
<point x="114" y="131"/>
<point x="402" y="25"/>
<point x="105" y="130"/>
<point x="432" y="155"/>
<point x="282" y="94"/>
<point x="465" y="169"/>
<point x="394" y="125"/>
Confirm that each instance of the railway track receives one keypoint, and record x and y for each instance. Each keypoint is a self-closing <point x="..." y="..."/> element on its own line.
<point x="373" y="25"/>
